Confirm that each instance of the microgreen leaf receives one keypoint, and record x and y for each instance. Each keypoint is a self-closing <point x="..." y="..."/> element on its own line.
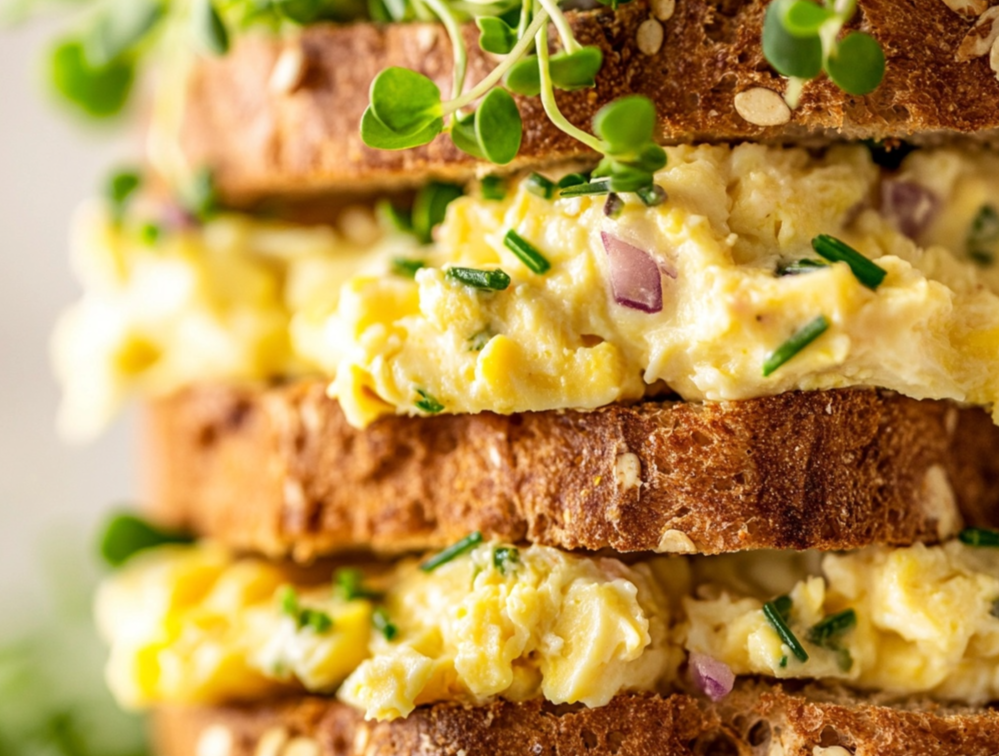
<point x="121" y="186"/>
<point x="572" y="179"/>
<point x="498" y="127"/>
<point x="405" y="102"/>
<point x="125" y="535"/>
<point x="625" y="123"/>
<point x="803" y="18"/>
<point x="791" y="55"/>
<point x="209" y="29"/>
<point x="857" y="64"/>
<point x="569" y="71"/>
<point x="304" y="11"/>
<point x="119" y="28"/>
<point x="464" y="137"/>
<point x="376" y="134"/>
<point x="100" y="92"/>
<point x="496" y="35"/>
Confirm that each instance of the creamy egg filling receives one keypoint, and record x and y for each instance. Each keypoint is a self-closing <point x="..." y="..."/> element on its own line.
<point x="198" y="625"/>
<point x="693" y="294"/>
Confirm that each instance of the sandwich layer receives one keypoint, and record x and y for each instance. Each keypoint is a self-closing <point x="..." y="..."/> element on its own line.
<point x="279" y="471"/>
<point x="755" y="720"/>
<point x="264" y="133"/>
<point x="199" y="625"/>
<point x="531" y="303"/>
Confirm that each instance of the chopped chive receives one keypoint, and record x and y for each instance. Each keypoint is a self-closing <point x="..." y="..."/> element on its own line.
<point x="983" y="236"/>
<point x="406" y="267"/>
<point x="572" y="179"/>
<point x="397" y="218"/>
<point x="594" y="187"/>
<point x="349" y="585"/>
<point x="779" y="623"/>
<point x="493" y="188"/>
<point x="783" y="606"/>
<point x="798" y="341"/>
<point x="832" y="249"/>
<point x="478" y="341"/>
<point x="490" y="280"/>
<point x="844" y="659"/>
<point x="526" y="252"/>
<point x="149" y="233"/>
<point x="783" y="661"/>
<point x="289" y="602"/>
<point x="505" y="558"/>
<point x="826" y="631"/>
<point x="382" y="623"/>
<point x="427" y="403"/>
<point x="652" y="196"/>
<point x="539" y="185"/>
<point x="443" y="557"/>
<point x="317" y="620"/>
<point x="321" y="622"/>
<point x="120" y="188"/>
<point x="800" y="266"/>
<point x="614" y="205"/>
<point x="979" y="537"/>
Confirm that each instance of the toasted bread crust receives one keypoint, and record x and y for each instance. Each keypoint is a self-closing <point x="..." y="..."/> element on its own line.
<point x="279" y="470"/>
<point x="751" y="721"/>
<point x="303" y="137"/>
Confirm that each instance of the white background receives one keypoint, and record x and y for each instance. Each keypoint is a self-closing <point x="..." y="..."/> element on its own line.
<point x="49" y="162"/>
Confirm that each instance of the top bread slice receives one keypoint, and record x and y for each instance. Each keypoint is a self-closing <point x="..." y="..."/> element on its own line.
<point x="279" y="471"/>
<point x="274" y="129"/>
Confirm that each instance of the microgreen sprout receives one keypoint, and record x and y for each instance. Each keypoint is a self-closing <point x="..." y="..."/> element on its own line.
<point x="801" y="39"/>
<point x="125" y="535"/>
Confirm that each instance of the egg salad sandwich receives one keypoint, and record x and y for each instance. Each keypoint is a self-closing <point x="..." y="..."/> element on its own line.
<point x="532" y="379"/>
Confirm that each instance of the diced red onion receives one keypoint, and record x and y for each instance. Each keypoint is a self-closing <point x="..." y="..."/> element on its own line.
<point x="634" y="276"/>
<point x="712" y="677"/>
<point x="910" y="206"/>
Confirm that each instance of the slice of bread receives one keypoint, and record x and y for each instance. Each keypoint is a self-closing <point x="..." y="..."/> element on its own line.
<point x="279" y="471"/>
<point x="757" y="719"/>
<point x="291" y="127"/>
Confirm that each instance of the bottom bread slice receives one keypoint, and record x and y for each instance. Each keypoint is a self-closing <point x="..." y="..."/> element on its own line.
<point x="756" y="719"/>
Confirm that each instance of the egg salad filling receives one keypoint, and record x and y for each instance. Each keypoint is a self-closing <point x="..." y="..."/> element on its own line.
<point x="753" y="270"/>
<point x="195" y="624"/>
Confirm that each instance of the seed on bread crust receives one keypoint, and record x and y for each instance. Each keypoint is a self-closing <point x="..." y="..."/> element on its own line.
<point x="649" y="36"/>
<point x="981" y="37"/>
<point x="969" y="8"/>
<point x="663" y="9"/>
<point x="762" y="107"/>
<point x="288" y="71"/>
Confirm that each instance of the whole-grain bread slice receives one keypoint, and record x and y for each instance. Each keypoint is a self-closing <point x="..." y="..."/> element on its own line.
<point x="754" y="720"/>
<point x="271" y="129"/>
<point x="278" y="470"/>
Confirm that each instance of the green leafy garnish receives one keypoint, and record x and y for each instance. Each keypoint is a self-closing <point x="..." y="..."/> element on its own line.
<point x="828" y="632"/>
<point x="427" y="403"/>
<point x="832" y="249"/>
<point x="319" y="621"/>
<point x="380" y="619"/>
<point x="497" y="36"/>
<point x="572" y="179"/>
<point x="406" y="267"/>
<point x="983" y="236"/>
<point x="121" y="187"/>
<point x="348" y="584"/>
<point x="209" y="29"/>
<point x="979" y="537"/>
<point x="467" y="543"/>
<point x="505" y="559"/>
<point x="541" y="186"/>
<point x="488" y="280"/>
<point x="801" y="38"/>
<point x="120" y="28"/>
<point x="125" y="535"/>
<point x="98" y="91"/>
<point x="526" y="252"/>
<point x="493" y="188"/>
<point x="652" y="196"/>
<point x="800" y="266"/>
<point x="581" y="190"/>
<point x="478" y="341"/>
<point x="200" y="196"/>
<point x="798" y="341"/>
<point x="430" y="207"/>
<point x="778" y="620"/>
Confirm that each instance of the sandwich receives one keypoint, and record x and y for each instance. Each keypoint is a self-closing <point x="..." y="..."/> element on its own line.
<point x="614" y="380"/>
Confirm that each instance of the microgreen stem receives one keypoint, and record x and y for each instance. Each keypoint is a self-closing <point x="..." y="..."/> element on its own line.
<point x="569" y="43"/>
<point x="440" y="9"/>
<point x="514" y="56"/>
<point x="548" y="95"/>
<point x="525" y="19"/>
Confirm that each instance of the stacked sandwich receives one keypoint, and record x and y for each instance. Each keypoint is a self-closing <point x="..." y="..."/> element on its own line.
<point x="630" y="401"/>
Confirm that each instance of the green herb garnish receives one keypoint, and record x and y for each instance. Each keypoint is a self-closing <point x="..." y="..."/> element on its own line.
<point x="979" y="537"/>
<point x="304" y="617"/>
<point x="652" y="196"/>
<point x="121" y="187"/>
<point x="526" y="252"/>
<point x="467" y="543"/>
<point x="150" y="233"/>
<point x="581" y="190"/>
<point x="406" y="267"/>
<point x="801" y="40"/>
<point x="505" y="558"/>
<point x="800" y="266"/>
<point x="430" y="207"/>
<point x="539" y="185"/>
<point x="572" y="179"/>
<point x="125" y="535"/>
<point x="488" y="280"/>
<point x="798" y="341"/>
<point x="829" y="629"/>
<point x="380" y="619"/>
<point x="209" y="29"/>
<point x="493" y="188"/>
<point x="983" y="236"/>
<point x="427" y="403"/>
<point x="779" y="622"/>
<point x="349" y="585"/>
<point x="200" y="196"/>
<point x="832" y="249"/>
<point x="478" y="341"/>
